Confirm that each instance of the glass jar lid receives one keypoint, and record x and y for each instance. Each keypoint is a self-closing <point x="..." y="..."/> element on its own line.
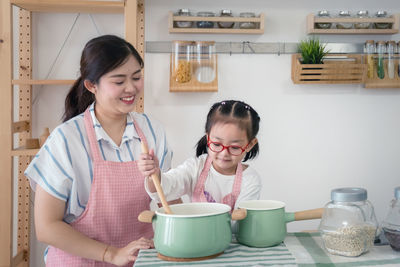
<point x="247" y="14"/>
<point x="381" y="14"/>
<point x="226" y="12"/>
<point x="349" y="194"/>
<point x="344" y="13"/>
<point x="323" y="13"/>
<point x="370" y="42"/>
<point x="362" y="13"/>
<point x="205" y="14"/>
<point x="397" y="192"/>
<point x="184" y="11"/>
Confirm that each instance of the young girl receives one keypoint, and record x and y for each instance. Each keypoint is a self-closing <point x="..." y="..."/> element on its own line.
<point x="89" y="190"/>
<point x="217" y="173"/>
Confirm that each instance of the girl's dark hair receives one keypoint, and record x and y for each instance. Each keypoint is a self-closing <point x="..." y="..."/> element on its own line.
<point x="232" y="111"/>
<point x="100" y="56"/>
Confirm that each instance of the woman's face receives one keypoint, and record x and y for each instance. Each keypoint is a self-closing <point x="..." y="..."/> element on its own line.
<point x="117" y="90"/>
<point x="228" y="134"/>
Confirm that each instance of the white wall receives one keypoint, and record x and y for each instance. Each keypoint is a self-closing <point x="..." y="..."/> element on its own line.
<point x="313" y="138"/>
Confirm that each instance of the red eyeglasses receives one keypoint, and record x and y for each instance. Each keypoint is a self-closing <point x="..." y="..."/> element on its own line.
<point x="218" y="147"/>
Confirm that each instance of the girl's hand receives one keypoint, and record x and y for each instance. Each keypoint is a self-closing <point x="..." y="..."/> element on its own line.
<point x="148" y="164"/>
<point x="127" y="254"/>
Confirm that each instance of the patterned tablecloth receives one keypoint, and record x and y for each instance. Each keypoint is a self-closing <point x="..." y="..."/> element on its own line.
<point x="298" y="249"/>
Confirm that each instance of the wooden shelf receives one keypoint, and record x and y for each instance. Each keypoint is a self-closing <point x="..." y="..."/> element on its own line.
<point x="312" y="19"/>
<point x="73" y="6"/>
<point x="43" y="82"/>
<point x="236" y="30"/>
<point x="375" y="82"/>
<point x="21" y="151"/>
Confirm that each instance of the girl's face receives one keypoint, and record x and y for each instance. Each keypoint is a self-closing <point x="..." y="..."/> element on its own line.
<point x="117" y="90"/>
<point x="228" y="134"/>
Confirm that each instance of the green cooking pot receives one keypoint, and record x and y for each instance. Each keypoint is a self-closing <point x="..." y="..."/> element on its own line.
<point x="265" y="223"/>
<point x="193" y="230"/>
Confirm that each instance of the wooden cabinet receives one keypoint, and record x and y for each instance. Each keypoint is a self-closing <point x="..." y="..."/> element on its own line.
<point x="133" y="11"/>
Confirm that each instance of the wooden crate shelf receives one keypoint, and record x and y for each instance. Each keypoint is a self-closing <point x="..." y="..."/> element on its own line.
<point x="312" y="19"/>
<point x="331" y="72"/>
<point x="386" y="82"/>
<point x="236" y="30"/>
<point x="70" y="6"/>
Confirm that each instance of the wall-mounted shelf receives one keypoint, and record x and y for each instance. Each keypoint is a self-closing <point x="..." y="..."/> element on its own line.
<point x="21" y="151"/>
<point x="73" y="6"/>
<point x="312" y="20"/>
<point x="259" y="21"/>
<point x="375" y="82"/>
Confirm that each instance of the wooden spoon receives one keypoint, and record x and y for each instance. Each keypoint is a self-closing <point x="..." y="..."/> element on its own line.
<point x="157" y="184"/>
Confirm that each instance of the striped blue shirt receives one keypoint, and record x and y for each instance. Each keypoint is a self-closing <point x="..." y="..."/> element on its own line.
<point x="63" y="166"/>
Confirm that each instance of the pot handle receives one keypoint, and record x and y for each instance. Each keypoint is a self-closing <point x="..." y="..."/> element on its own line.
<point x="308" y="214"/>
<point x="146" y="216"/>
<point x="239" y="214"/>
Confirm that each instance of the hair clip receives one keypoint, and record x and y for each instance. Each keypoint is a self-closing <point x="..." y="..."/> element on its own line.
<point x="247" y="107"/>
<point x="223" y="103"/>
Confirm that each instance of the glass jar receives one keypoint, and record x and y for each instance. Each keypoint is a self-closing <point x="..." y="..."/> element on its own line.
<point x="381" y="50"/>
<point x="391" y="224"/>
<point x="324" y="25"/>
<point x="182" y="61"/>
<point x="370" y="49"/>
<point x="206" y="63"/>
<point x="343" y="25"/>
<point x="382" y="25"/>
<point x="183" y="24"/>
<point x="226" y="24"/>
<point x="348" y="224"/>
<point x="205" y="24"/>
<point x="362" y="14"/>
<point x="390" y="62"/>
<point x="247" y="24"/>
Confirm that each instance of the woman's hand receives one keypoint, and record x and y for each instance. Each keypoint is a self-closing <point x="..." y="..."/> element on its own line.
<point x="148" y="164"/>
<point x="122" y="256"/>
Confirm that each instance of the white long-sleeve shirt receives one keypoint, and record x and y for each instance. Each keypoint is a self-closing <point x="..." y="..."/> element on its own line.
<point x="182" y="180"/>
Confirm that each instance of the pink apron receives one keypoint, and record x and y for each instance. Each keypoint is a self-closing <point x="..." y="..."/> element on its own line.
<point x="199" y="195"/>
<point x="117" y="196"/>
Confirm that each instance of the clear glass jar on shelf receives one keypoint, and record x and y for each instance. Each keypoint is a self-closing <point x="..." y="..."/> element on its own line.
<point x="205" y="23"/>
<point x="391" y="224"/>
<point x="182" y="61"/>
<point x="247" y="24"/>
<point x="362" y="14"/>
<point x="380" y="67"/>
<point x="183" y="24"/>
<point x="390" y="61"/>
<point x="323" y="25"/>
<point x="348" y="225"/>
<point x="370" y="49"/>
<point x="226" y="24"/>
<point x="382" y="25"/>
<point x="344" y="14"/>
<point x="205" y="67"/>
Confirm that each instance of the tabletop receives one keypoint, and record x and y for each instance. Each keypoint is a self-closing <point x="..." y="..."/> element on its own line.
<point x="298" y="249"/>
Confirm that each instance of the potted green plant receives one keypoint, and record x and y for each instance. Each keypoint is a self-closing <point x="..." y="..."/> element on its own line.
<point x="312" y="51"/>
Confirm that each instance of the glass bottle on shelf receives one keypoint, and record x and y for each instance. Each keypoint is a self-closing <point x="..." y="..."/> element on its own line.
<point x="344" y="25"/>
<point x="381" y="49"/>
<point x="323" y="25"/>
<point x="183" y="24"/>
<point x="182" y="61"/>
<point x="362" y="14"/>
<point x="391" y="224"/>
<point x="205" y="23"/>
<point x="370" y="49"/>
<point x="226" y="24"/>
<point x="245" y="24"/>
<point x="390" y="52"/>
<point x="382" y="25"/>
<point x="206" y="64"/>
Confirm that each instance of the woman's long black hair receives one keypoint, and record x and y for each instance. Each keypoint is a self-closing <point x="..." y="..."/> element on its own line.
<point x="100" y="56"/>
<point x="232" y="111"/>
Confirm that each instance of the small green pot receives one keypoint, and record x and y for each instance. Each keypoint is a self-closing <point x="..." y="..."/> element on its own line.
<point x="265" y="223"/>
<point x="192" y="230"/>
